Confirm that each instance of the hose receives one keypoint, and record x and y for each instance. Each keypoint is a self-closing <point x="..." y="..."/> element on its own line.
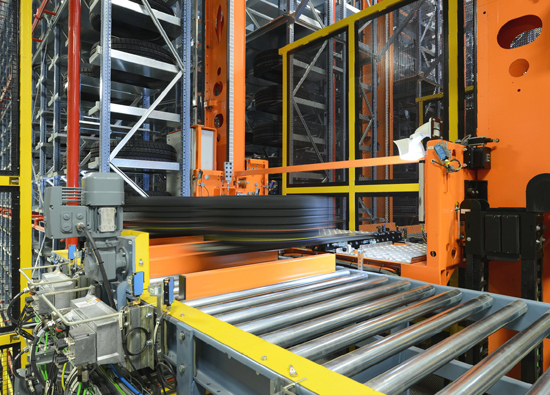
<point x="124" y="381"/>
<point x="106" y="283"/>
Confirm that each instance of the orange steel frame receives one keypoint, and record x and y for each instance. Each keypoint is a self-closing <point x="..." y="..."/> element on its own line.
<point x="219" y="80"/>
<point x="514" y="110"/>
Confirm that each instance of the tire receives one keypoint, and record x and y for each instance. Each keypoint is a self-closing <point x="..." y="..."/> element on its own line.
<point x="140" y="47"/>
<point x="90" y="71"/>
<point x="122" y="29"/>
<point x="130" y="193"/>
<point x="269" y="134"/>
<point x="82" y="152"/>
<point x="141" y="150"/>
<point x="268" y="66"/>
<point x="269" y="99"/>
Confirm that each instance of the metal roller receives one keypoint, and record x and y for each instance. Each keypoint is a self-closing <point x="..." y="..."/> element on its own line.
<point x="485" y="374"/>
<point x="306" y="330"/>
<point x="263" y="290"/>
<point x="275" y="296"/>
<point x="541" y="386"/>
<point x="335" y="341"/>
<point x="401" y="377"/>
<point x="236" y="317"/>
<point x="294" y="316"/>
<point x="365" y="357"/>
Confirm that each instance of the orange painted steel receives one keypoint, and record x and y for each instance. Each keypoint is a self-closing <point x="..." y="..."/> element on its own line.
<point x="370" y="162"/>
<point x="444" y="192"/>
<point x="218" y="77"/>
<point x="182" y="258"/>
<point x="512" y="85"/>
<point x="216" y="282"/>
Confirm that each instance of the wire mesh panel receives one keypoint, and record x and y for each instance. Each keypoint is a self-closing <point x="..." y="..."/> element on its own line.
<point x="9" y="246"/>
<point x="318" y="109"/>
<point x="399" y="59"/>
<point x="9" y="87"/>
<point x="8" y="364"/>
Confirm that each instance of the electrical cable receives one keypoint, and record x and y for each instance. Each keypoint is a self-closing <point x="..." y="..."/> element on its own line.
<point x="11" y="306"/>
<point x="125" y="342"/>
<point x="63" y="376"/>
<point x="112" y="381"/>
<point x="106" y="283"/>
<point x="34" y="366"/>
<point x="124" y="381"/>
<point x="14" y="363"/>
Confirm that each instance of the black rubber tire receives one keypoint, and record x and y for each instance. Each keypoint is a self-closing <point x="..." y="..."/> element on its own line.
<point x="140" y="47"/>
<point x="143" y="150"/>
<point x="268" y="66"/>
<point x="82" y="152"/>
<point x="269" y="134"/>
<point x="90" y="71"/>
<point x="130" y="193"/>
<point x="121" y="28"/>
<point x="269" y="99"/>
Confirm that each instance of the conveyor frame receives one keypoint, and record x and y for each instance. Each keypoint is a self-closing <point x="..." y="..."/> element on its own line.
<point x="233" y="361"/>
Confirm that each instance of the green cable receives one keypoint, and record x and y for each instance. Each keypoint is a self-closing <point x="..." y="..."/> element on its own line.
<point x="112" y="381"/>
<point x="79" y="388"/>
<point x="84" y="393"/>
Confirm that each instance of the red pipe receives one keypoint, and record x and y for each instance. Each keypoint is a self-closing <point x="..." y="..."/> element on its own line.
<point x="73" y="99"/>
<point x="40" y="12"/>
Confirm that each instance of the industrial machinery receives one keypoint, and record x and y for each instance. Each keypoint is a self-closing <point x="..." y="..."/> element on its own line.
<point x="210" y="292"/>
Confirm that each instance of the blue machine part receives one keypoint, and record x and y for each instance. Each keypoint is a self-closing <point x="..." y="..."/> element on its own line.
<point x="138" y="281"/>
<point x="441" y="152"/>
<point x="72" y="250"/>
<point x="168" y="291"/>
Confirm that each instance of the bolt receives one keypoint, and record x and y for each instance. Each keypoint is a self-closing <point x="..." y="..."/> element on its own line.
<point x="79" y="216"/>
<point x="264" y="358"/>
<point x="182" y="336"/>
<point x="181" y="369"/>
<point x="182" y="315"/>
<point x="537" y="228"/>
<point x="126" y="324"/>
<point x="468" y="239"/>
<point x="66" y="216"/>
<point x="148" y="315"/>
<point x="149" y="342"/>
<point x="141" y="262"/>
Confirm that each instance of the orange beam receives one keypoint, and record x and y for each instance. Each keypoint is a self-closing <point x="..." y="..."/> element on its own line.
<point x="345" y="164"/>
<point x="172" y="259"/>
<point x="216" y="282"/>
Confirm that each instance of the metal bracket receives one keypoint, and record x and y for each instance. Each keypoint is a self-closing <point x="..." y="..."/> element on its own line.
<point x="282" y="386"/>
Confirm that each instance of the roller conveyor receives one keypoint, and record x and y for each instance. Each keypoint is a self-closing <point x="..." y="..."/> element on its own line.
<point x="322" y="330"/>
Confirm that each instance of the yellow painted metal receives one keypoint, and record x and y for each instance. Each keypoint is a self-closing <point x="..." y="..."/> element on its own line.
<point x="284" y="176"/>
<point x="25" y="143"/>
<point x="351" y="125"/>
<point x="372" y="11"/>
<point x="315" y="377"/>
<point x="7" y="181"/>
<point x="141" y="252"/>
<point x="317" y="190"/>
<point x="386" y="188"/>
<point x="452" y="72"/>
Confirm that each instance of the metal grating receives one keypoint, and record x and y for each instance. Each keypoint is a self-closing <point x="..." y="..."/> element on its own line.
<point x="8" y="364"/>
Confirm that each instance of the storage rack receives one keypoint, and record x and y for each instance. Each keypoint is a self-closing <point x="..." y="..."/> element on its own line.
<point x="131" y="112"/>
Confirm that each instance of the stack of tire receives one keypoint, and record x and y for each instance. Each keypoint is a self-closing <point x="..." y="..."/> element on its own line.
<point x="140" y="150"/>
<point x="129" y="38"/>
<point x="266" y="222"/>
